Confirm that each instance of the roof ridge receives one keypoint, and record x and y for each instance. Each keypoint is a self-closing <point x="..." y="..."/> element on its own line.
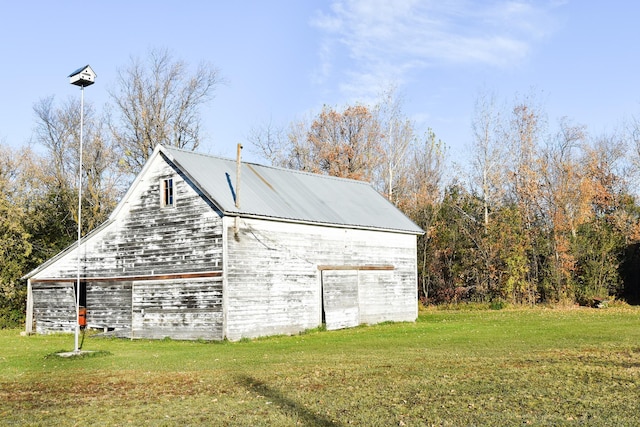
<point x="280" y="168"/>
<point x="182" y="150"/>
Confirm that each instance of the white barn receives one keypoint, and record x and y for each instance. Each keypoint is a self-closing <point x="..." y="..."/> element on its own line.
<point x="188" y="255"/>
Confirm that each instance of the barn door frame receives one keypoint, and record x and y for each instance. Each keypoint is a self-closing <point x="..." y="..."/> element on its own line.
<point x="345" y="269"/>
<point x="340" y="298"/>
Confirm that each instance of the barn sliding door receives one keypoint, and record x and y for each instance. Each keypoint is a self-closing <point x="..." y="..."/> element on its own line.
<point x="340" y="298"/>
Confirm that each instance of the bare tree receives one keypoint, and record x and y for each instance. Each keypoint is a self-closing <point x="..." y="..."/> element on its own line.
<point x="488" y="153"/>
<point x="158" y="101"/>
<point x="425" y="173"/>
<point x="562" y="199"/>
<point x="564" y="204"/>
<point x="421" y="198"/>
<point x="523" y="139"/>
<point x="271" y="142"/>
<point x="397" y="134"/>
<point x="54" y="130"/>
<point x="58" y="131"/>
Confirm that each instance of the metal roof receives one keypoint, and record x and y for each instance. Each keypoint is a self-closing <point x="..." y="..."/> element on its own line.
<point x="267" y="191"/>
<point x="81" y="69"/>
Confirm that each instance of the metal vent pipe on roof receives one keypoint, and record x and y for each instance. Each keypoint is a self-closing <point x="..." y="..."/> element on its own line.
<point x="238" y="163"/>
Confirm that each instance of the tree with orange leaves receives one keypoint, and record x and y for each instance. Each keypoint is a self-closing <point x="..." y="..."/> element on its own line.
<point x="344" y="144"/>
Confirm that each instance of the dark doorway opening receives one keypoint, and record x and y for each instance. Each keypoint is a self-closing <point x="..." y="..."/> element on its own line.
<point x="82" y="297"/>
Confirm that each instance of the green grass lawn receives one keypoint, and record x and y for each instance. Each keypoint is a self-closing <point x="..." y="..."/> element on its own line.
<point x="452" y="368"/>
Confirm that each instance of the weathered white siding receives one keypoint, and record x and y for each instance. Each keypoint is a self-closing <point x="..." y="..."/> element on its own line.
<point x="54" y="307"/>
<point x="146" y="239"/>
<point x="274" y="280"/>
<point x="387" y="295"/>
<point x="268" y="290"/>
<point x="109" y="305"/>
<point x="179" y="309"/>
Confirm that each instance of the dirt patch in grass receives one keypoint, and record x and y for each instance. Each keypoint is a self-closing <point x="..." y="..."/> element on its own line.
<point x="96" y="387"/>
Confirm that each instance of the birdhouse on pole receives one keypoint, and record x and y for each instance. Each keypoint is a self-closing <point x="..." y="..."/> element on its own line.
<point x="83" y="77"/>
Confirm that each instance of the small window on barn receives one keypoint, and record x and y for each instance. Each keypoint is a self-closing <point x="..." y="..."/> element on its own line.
<point x="168" y="199"/>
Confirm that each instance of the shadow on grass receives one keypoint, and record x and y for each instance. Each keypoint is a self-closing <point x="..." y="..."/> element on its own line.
<point x="307" y="416"/>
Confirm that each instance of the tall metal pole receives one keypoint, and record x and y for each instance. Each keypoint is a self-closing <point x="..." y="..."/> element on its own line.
<point x="77" y="335"/>
<point x="81" y="77"/>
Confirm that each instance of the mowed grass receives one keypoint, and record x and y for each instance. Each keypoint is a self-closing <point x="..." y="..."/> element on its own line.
<point x="451" y="368"/>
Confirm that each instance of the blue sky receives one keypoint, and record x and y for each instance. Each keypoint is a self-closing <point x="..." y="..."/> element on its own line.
<point x="284" y="59"/>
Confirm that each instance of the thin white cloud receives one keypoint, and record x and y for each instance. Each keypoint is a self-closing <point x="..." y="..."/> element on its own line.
<point x="380" y="40"/>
